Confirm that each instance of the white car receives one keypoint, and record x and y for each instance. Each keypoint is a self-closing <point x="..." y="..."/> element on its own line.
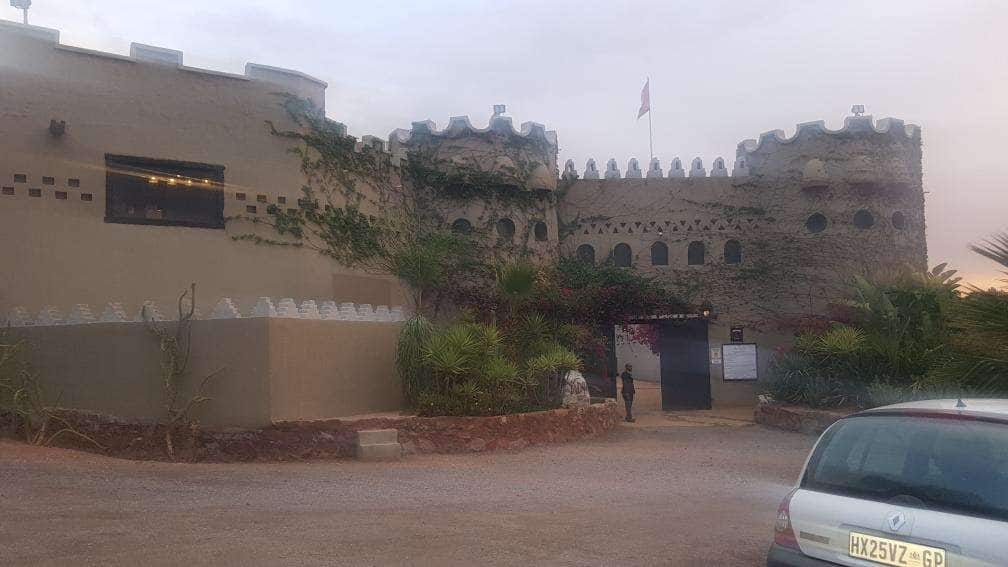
<point x="922" y="484"/>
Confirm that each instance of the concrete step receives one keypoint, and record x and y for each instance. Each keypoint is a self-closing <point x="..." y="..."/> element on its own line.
<point x="374" y="436"/>
<point x="379" y="452"/>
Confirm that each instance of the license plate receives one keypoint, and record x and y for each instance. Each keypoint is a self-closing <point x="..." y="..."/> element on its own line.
<point x="894" y="552"/>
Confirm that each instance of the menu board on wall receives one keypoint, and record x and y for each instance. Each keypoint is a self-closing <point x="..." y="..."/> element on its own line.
<point x="739" y="361"/>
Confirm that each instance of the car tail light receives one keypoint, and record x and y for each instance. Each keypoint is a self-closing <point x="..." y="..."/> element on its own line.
<point x="783" y="531"/>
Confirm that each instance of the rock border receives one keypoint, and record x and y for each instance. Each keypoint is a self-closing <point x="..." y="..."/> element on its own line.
<point x="802" y="419"/>
<point x="335" y="438"/>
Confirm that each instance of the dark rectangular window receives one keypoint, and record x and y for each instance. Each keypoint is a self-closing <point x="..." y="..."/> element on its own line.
<point x="48" y="180"/>
<point x="20" y="178"/>
<point x="61" y="195"/>
<point x="34" y="192"/>
<point x="250" y="209"/>
<point x="8" y="190"/>
<point x="261" y="198"/>
<point x="240" y="196"/>
<point x="73" y="182"/>
<point x="163" y="192"/>
<point x="282" y="200"/>
<point x="86" y="197"/>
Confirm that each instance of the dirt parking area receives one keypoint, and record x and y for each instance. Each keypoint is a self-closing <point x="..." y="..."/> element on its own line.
<point x="703" y="494"/>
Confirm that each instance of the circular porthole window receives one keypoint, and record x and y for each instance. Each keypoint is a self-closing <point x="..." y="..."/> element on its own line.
<point x="816" y="223"/>
<point x="899" y="220"/>
<point x="462" y="226"/>
<point x="863" y="219"/>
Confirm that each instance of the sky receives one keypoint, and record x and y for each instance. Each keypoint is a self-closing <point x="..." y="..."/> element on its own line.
<point x="721" y="72"/>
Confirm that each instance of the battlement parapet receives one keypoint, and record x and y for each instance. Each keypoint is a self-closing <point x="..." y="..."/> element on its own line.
<point x="225" y="308"/>
<point x="459" y="126"/>
<point x="654" y="171"/>
<point x="301" y="83"/>
<point x="852" y="125"/>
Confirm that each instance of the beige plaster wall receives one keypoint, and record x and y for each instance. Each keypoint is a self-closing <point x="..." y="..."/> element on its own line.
<point x="324" y="369"/>
<point x="61" y="252"/>
<point x="270" y="369"/>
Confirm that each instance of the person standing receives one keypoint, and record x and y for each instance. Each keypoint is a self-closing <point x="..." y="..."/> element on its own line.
<point x="628" y="392"/>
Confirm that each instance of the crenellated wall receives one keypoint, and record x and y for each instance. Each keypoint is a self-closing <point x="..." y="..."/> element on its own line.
<point x="805" y="212"/>
<point x="523" y="161"/>
<point x="58" y="246"/>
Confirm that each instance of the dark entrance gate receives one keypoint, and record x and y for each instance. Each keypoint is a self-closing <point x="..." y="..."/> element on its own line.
<point x="685" y="371"/>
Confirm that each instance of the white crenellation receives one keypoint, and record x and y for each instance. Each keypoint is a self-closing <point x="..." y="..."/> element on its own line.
<point x="612" y="170"/>
<point x="114" y="313"/>
<point x="287" y="309"/>
<point x="697" y="168"/>
<point x="633" y="169"/>
<point x="591" y="169"/>
<point x="225" y="309"/>
<point x="80" y="314"/>
<point x="396" y="313"/>
<point x="654" y="170"/>
<point x="49" y="316"/>
<point x="676" y="169"/>
<point x="263" y="308"/>
<point x="348" y="312"/>
<point x="149" y="311"/>
<point x="894" y="126"/>
<point x="309" y="309"/>
<point x="382" y="313"/>
<point x="719" y="169"/>
<point x="365" y="311"/>
<point x="328" y="310"/>
<point x="19" y="317"/>
<point x="741" y="168"/>
<point x="570" y="172"/>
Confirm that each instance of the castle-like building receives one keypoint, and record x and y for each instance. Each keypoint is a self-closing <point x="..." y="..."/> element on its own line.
<point x="127" y="177"/>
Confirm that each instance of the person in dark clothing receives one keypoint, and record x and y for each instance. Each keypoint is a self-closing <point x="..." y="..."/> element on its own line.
<point x="628" y="391"/>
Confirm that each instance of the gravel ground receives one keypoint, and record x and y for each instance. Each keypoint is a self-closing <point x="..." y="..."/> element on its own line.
<point x="642" y="496"/>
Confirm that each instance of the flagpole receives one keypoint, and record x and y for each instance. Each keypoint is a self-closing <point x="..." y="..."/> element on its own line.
<point x="650" y="131"/>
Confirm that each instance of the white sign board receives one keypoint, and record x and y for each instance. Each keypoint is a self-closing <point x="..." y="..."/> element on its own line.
<point x="739" y="361"/>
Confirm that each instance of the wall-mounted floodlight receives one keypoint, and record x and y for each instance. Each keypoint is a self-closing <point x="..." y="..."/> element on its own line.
<point x="857" y="109"/>
<point x="499" y="109"/>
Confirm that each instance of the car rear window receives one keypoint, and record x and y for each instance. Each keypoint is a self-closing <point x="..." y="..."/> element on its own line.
<point x="947" y="464"/>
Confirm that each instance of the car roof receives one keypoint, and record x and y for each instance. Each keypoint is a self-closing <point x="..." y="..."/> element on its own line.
<point x="977" y="407"/>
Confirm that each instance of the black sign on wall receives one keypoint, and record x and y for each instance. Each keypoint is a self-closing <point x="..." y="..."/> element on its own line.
<point x="736" y="334"/>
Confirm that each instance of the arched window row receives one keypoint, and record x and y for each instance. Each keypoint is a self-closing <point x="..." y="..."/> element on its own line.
<point x="696" y="253"/>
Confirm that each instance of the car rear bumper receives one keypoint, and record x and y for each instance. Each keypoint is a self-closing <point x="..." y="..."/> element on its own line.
<point x="787" y="557"/>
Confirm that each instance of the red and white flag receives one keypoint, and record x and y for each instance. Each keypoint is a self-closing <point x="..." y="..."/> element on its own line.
<point x="645" y="99"/>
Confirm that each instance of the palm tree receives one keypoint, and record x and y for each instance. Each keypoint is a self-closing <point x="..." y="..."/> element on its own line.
<point x="982" y="321"/>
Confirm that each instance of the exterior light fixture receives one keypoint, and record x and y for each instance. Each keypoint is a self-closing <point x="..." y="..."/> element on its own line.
<point x="857" y="109"/>
<point x="661" y="232"/>
<point x="499" y="109"/>
<point x="705" y="310"/>
<point x="152" y="179"/>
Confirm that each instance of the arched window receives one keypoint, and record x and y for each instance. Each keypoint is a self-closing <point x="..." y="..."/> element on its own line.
<point x="462" y="226"/>
<point x="540" y="231"/>
<point x="732" y="252"/>
<point x="899" y="220"/>
<point x="621" y="255"/>
<point x="586" y="253"/>
<point x="695" y="253"/>
<point x="863" y="219"/>
<point x="816" y="223"/>
<point x="506" y="229"/>
<point x="659" y="254"/>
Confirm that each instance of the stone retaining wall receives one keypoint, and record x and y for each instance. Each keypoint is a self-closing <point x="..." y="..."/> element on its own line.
<point x="330" y="439"/>
<point x="797" y="418"/>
